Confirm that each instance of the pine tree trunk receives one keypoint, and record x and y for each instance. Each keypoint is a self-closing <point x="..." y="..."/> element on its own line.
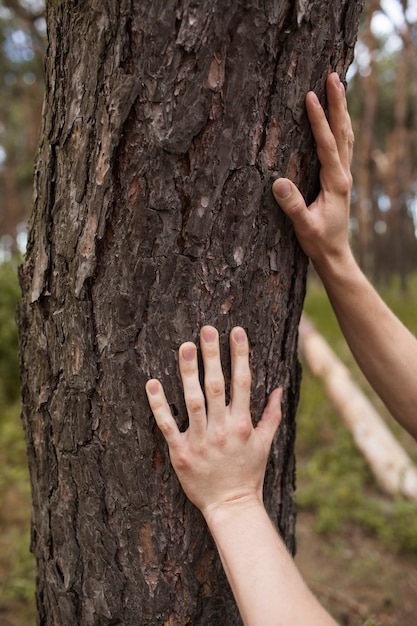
<point x="164" y="124"/>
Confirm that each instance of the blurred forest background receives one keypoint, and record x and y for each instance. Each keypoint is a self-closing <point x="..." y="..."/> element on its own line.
<point x="337" y="497"/>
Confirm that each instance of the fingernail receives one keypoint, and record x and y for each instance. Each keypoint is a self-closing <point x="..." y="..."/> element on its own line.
<point x="314" y="99"/>
<point x="188" y="353"/>
<point x="153" y="387"/>
<point x="239" y="335"/>
<point x="282" y="189"/>
<point x="339" y="83"/>
<point x="277" y="393"/>
<point x="209" y="335"/>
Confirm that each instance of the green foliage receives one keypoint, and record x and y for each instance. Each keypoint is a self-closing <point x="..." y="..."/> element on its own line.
<point x="9" y="368"/>
<point x="17" y="565"/>
<point x="332" y="475"/>
<point x="22" y="44"/>
<point x="333" y="478"/>
<point x="13" y="452"/>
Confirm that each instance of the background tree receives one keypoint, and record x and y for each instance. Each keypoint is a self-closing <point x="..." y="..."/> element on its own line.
<point x="163" y="125"/>
<point x="21" y="79"/>
<point x="383" y="103"/>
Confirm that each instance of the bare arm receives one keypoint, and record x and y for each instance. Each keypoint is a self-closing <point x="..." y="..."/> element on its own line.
<point x="384" y="349"/>
<point x="266" y="584"/>
<point x="220" y="461"/>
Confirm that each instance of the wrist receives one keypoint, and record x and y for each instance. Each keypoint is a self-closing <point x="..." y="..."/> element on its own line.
<point x="335" y="266"/>
<point x="233" y="511"/>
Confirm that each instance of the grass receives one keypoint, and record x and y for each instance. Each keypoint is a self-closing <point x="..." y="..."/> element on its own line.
<point x="17" y="566"/>
<point x="334" y="480"/>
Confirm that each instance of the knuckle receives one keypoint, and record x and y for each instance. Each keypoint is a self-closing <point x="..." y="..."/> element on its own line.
<point x="165" y="427"/>
<point x="346" y="182"/>
<point x="156" y="403"/>
<point x="244" y="428"/>
<point x="181" y="460"/>
<point x="347" y="134"/>
<point x="195" y="404"/>
<point x="244" y="382"/>
<point x="215" y="387"/>
<point x="220" y="436"/>
<point x="295" y="210"/>
<point x="349" y="180"/>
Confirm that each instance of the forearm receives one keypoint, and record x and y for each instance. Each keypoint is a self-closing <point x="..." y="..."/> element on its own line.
<point x="383" y="347"/>
<point x="265" y="581"/>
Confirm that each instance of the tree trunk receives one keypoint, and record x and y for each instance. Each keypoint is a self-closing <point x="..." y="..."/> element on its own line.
<point x="164" y="123"/>
<point x="364" y="148"/>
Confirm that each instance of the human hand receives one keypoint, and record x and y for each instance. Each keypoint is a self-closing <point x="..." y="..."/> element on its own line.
<point x="322" y="227"/>
<point x="221" y="458"/>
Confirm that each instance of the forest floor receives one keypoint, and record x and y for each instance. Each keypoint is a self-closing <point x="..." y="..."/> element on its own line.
<point x="358" y="579"/>
<point x="356" y="546"/>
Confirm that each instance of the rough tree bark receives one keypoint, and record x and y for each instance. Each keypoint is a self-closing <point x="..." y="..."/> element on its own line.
<point x="163" y="125"/>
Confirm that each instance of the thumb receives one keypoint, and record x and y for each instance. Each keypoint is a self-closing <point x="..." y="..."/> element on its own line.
<point x="290" y="200"/>
<point x="271" y="417"/>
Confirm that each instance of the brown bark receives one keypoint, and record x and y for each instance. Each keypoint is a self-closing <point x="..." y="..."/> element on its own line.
<point x="164" y="123"/>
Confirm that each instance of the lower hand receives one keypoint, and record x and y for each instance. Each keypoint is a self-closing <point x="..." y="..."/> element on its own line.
<point x="222" y="457"/>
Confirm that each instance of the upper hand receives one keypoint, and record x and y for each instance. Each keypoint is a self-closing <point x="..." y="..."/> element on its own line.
<point x="322" y="227"/>
<point x="221" y="458"/>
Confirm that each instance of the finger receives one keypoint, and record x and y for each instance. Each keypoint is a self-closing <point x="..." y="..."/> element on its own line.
<point x="241" y="380"/>
<point x="339" y="119"/>
<point x="327" y="150"/>
<point x="291" y="201"/>
<point x="162" y="412"/>
<point x="213" y="373"/>
<point x="193" y="395"/>
<point x="271" y="417"/>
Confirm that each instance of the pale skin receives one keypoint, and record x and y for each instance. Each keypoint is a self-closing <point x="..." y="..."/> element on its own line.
<point x="220" y="460"/>
<point x="384" y="349"/>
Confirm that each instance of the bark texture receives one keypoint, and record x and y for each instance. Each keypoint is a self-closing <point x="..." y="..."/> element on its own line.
<point x="164" y="124"/>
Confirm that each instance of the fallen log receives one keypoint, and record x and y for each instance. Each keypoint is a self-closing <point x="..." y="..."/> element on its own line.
<point x="390" y="464"/>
